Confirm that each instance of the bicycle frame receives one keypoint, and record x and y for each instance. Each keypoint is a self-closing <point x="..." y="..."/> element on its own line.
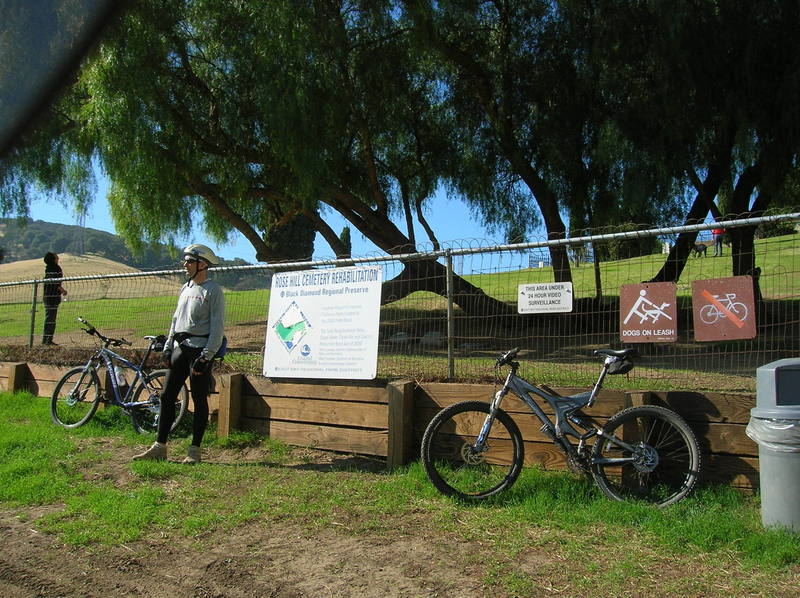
<point x="110" y="359"/>
<point x="563" y="407"/>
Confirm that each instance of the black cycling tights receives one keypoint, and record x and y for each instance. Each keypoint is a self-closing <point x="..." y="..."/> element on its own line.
<point x="180" y="369"/>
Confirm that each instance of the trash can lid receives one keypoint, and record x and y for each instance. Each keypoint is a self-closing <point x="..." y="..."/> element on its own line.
<point x="776" y="412"/>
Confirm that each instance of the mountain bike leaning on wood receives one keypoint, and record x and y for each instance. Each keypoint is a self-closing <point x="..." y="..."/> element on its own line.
<point x="79" y="393"/>
<point x="648" y="453"/>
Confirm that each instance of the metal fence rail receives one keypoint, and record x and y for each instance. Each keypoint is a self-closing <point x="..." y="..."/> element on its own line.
<point x="428" y="334"/>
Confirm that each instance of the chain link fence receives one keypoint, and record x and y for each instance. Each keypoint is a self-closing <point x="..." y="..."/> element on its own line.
<point x="447" y="314"/>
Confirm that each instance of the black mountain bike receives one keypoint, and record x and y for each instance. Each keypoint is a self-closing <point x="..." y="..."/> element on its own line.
<point x="79" y="392"/>
<point x="474" y="450"/>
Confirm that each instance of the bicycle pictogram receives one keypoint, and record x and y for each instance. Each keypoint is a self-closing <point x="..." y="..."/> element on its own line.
<point x="721" y="308"/>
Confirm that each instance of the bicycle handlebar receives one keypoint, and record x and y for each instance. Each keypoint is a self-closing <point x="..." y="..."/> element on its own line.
<point x="91" y="330"/>
<point x="506" y="358"/>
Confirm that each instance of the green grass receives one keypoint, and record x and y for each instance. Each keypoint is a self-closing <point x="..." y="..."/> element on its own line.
<point x="96" y="496"/>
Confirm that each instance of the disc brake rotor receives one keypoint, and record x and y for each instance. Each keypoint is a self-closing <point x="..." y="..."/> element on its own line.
<point x="471" y="455"/>
<point x="645" y="459"/>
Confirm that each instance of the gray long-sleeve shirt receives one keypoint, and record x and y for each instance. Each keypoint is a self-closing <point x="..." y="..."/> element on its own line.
<point x="200" y="313"/>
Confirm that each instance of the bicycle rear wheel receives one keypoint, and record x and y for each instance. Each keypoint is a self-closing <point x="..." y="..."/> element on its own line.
<point x="456" y="466"/>
<point x="146" y="409"/>
<point x="661" y="463"/>
<point x="75" y="398"/>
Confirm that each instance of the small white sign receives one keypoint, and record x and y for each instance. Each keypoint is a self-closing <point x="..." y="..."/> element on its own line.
<point x="324" y="324"/>
<point x="545" y="297"/>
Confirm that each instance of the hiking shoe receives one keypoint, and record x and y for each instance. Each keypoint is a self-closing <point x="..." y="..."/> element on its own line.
<point x="157" y="452"/>
<point x="193" y="456"/>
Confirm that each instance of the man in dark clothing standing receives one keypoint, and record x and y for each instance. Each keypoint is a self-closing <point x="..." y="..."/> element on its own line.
<point x="52" y="296"/>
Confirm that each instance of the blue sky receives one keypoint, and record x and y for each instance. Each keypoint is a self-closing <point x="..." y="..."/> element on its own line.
<point x="450" y="220"/>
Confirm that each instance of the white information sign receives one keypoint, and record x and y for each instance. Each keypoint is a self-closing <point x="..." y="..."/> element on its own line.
<point x="552" y="297"/>
<point x="324" y="324"/>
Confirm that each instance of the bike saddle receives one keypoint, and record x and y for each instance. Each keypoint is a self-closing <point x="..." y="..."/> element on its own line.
<point x="621" y="353"/>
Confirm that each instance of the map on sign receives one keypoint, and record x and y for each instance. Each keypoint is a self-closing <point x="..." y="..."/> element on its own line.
<point x="292" y="326"/>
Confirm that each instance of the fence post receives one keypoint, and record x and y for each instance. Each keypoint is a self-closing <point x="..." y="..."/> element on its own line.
<point x="230" y="405"/>
<point x="33" y="312"/>
<point x="401" y="404"/>
<point x="18" y="377"/>
<point x="451" y="366"/>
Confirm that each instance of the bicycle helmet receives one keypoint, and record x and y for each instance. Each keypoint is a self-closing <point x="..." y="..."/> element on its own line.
<point x="198" y="251"/>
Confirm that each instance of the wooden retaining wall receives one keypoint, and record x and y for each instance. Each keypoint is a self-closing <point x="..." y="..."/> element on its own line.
<point x="388" y="420"/>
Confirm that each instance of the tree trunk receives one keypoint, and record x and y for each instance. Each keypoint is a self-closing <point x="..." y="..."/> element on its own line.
<point x="678" y="254"/>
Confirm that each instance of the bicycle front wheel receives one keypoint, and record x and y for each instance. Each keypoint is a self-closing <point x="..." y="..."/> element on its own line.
<point x="146" y="408"/>
<point x="453" y="462"/>
<point x="75" y="398"/>
<point x="656" y="460"/>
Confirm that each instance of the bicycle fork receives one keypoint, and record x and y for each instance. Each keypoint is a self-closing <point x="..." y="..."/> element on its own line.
<point x="75" y="396"/>
<point x="480" y="442"/>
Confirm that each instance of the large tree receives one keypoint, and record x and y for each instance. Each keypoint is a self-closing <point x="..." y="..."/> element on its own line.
<point x="252" y="116"/>
<point x="710" y="91"/>
<point x="249" y="116"/>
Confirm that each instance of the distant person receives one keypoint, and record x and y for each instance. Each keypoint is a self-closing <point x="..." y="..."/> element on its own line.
<point x="53" y="291"/>
<point x="194" y="338"/>
<point x="717" y="234"/>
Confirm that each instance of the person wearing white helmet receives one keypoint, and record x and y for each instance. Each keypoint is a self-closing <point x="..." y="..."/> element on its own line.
<point x="194" y="338"/>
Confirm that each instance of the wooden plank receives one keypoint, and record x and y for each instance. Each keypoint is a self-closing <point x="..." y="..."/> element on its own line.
<point x="351" y="440"/>
<point x="730" y="470"/>
<point x="727" y="439"/>
<point x="343" y="413"/>
<point x="332" y="391"/>
<point x="440" y="395"/>
<point x="711" y="407"/>
<point x="49" y="373"/>
<point x="401" y="405"/>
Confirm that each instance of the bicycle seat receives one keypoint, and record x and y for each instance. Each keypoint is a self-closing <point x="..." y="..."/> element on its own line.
<point x="621" y="353"/>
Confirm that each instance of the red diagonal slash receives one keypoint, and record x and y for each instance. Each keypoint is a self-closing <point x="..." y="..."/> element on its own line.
<point x="731" y="316"/>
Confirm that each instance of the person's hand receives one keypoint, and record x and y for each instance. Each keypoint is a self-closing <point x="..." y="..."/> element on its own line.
<point x="166" y="354"/>
<point x="200" y="366"/>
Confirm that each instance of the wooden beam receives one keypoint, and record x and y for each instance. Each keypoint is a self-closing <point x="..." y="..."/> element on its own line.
<point x="230" y="404"/>
<point x="401" y="423"/>
<point x="18" y="377"/>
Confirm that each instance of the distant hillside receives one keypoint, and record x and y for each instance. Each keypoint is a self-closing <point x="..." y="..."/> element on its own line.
<point x="31" y="239"/>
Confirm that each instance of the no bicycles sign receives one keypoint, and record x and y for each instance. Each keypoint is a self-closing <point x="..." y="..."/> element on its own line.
<point x="723" y="309"/>
<point x="647" y="313"/>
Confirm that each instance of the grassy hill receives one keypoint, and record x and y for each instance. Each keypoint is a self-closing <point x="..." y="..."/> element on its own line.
<point x="92" y="252"/>
<point x="26" y="240"/>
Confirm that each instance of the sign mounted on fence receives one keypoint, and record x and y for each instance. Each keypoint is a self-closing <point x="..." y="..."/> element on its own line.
<point x="648" y="313"/>
<point x="324" y="324"/>
<point x="546" y="297"/>
<point x="723" y="309"/>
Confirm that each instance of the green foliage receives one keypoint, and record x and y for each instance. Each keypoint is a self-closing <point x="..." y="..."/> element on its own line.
<point x="347" y="243"/>
<point x="621" y="249"/>
<point x="775" y="229"/>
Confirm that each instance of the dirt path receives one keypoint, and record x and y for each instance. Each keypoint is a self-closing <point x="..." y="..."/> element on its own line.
<point x="258" y="559"/>
<point x="407" y="556"/>
<point x="279" y="560"/>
